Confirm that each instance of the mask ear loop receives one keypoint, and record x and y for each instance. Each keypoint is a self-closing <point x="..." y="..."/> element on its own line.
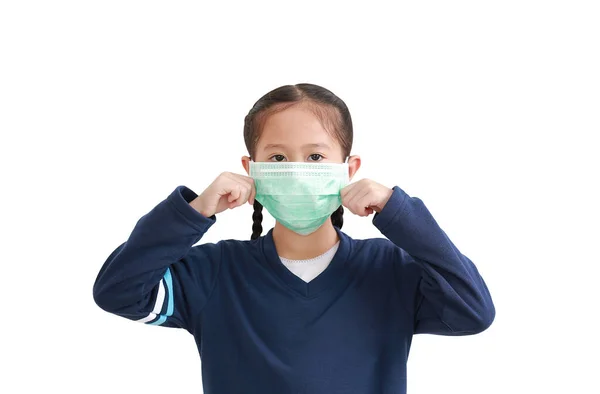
<point x="250" y="166"/>
<point x="348" y="169"/>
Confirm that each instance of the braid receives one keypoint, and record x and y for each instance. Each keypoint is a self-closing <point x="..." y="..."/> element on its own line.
<point x="257" y="218"/>
<point x="337" y="218"/>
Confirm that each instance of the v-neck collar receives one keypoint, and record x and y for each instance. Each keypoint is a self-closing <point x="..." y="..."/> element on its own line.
<point x="335" y="273"/>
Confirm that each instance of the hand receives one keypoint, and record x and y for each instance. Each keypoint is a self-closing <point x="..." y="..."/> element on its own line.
<point x="364" y="197"/>
<point x="228" y="191"/>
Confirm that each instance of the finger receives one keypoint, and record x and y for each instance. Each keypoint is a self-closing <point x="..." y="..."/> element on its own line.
<point x="237" y="178"/>
<point x="365" y="204"/>
<point x="245" y="191"/>
<point x="243" y="178"/>
<point x="234" y="193"/>
<point x="359" y="200"/>
<point x="249" y="182"/>
<point x="348" y="199"/>
<point x="346" y="190"/>
<point x="349" y="194"/>
<point x="245" y="181"/>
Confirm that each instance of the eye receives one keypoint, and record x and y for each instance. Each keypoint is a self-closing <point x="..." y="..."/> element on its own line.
<point x="315" y="157"/>
<point x="277" y="158"/>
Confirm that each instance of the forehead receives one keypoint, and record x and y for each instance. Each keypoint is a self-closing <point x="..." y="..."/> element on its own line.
<point x="294" y="127"/>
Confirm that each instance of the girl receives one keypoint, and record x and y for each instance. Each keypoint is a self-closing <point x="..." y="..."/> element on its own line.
<point x="304" y="308"/>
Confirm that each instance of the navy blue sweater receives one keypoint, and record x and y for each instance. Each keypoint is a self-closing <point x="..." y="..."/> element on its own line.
<point x="261" y="329"/>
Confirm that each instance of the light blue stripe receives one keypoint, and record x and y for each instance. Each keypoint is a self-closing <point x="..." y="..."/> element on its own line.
<point x="169" y="284"/>
<point x="160" y="320"/>
<point x="169" y="281"/>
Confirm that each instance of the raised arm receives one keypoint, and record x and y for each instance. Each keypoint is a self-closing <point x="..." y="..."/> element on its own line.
<point x="157" y="277"/>
<point x="443" y="288"/>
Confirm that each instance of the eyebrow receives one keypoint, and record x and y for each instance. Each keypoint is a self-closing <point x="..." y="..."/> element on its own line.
<point x="325" y="146"/>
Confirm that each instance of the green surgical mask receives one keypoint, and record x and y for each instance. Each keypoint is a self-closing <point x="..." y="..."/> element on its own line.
<point x="300" y="196"/>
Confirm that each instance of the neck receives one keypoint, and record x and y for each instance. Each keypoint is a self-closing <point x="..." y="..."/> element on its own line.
<point x="293" y="246"/>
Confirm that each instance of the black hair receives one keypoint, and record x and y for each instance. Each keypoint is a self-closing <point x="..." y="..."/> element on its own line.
<point x="257" y="218"/>
<point x="329" y="108"/>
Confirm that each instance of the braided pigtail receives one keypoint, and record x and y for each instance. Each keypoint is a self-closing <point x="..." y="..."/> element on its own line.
<point x="337" y="218"/>
<point x="257" y="218"/>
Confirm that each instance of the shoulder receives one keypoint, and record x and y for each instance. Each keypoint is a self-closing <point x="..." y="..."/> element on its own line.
<point x="373" y="245"/>
<point x="227" y="246"/>
<point x="380" y="251"/>
<point x="226" y="250"/>
<point x="375" y="252"/>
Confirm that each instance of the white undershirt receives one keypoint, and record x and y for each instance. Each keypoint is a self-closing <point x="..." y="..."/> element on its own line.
<point x="309" y="269"/>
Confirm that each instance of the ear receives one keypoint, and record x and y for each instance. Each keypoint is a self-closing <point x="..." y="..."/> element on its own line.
<point x="353" y="165"/>
<point x="246" y="163"/>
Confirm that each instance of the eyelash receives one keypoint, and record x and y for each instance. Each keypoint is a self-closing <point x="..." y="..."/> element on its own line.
<point x="310" y="156"/>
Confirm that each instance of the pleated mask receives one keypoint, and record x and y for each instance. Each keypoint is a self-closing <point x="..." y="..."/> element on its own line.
<point x="299" y="195"/>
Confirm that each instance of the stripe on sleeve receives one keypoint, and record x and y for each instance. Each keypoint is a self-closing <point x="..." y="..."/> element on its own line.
<point x="158" y="304"/>
<point x="168" y="279"/>
<point x="161" y="320"/>
<point x="160" y="298"/>
<point x="148" y="318"/>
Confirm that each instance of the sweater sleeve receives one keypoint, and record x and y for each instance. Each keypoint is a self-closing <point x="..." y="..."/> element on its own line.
<point x="157" y="277"/>
<point x="442" y="288"/>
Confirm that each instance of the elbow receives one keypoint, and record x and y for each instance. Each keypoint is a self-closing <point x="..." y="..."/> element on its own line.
<point x="472" y="320"/>
<point x="482" y="312"/>
<point x="100" y="298"/>
<point x="483" y="318"/>
<point x="487" y="312"/>
<point x="105" y="298"/>
<point x="104" y="289"/>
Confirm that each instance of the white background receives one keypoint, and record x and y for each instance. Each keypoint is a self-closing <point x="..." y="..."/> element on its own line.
<point x="487" y="111"/>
